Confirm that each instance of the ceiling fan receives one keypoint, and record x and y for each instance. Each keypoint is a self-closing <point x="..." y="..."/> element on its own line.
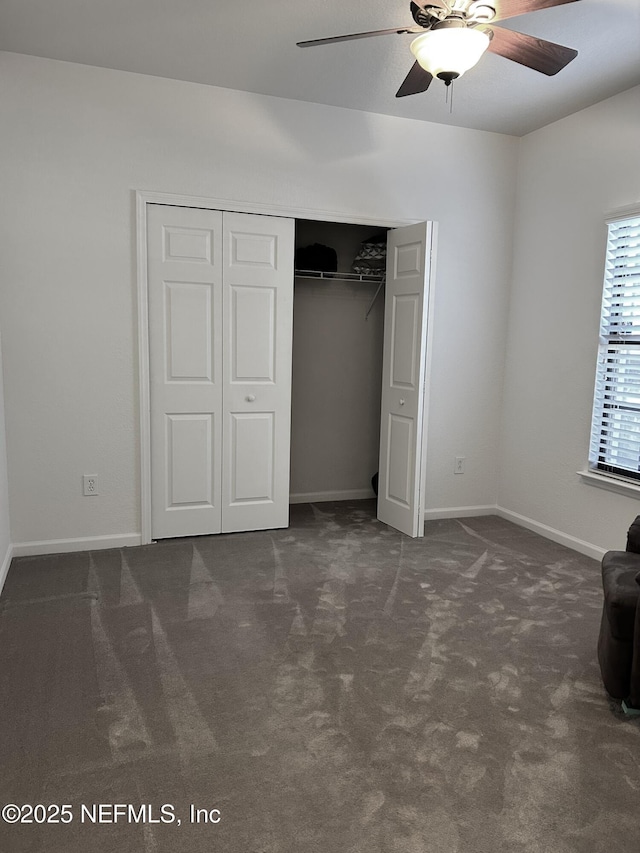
<point x="453" y="35"/>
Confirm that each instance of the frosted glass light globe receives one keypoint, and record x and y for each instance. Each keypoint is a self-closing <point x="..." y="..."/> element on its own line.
<point x="449" y="52"/>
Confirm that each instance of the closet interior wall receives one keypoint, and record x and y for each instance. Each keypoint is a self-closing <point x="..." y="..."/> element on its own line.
<point x="337" y="373"/>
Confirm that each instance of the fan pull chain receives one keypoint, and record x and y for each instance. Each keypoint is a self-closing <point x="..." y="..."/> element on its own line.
<point x="447" y="99"/>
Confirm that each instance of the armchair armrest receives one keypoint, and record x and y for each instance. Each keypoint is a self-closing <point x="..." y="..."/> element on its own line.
<point x="633" y="536"/>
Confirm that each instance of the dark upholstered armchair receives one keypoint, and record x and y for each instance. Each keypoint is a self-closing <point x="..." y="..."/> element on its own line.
<point x="619" y="640"/>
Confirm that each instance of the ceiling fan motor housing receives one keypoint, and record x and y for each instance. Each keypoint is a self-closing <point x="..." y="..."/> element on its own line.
<point x="470" y="13"/>
<point x="450" y="23"/>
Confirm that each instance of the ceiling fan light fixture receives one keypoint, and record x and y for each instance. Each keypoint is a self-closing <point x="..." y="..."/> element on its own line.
<point x="448" y="53"/>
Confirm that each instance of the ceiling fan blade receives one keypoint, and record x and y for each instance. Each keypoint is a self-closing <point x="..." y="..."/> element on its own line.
<point x="417" y="80"/>
<point x="536" y="53"/>
<point x="352" y="36"/>
<point x="512" y="8"/>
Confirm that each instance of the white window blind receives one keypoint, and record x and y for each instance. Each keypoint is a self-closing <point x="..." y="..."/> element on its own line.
<point x="615" y="429"/>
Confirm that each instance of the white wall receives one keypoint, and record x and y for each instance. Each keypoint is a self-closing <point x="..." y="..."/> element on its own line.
<point x="77" y="141"/>
<point x="570" y="174"/>
<point x="5" y="529"/>
<point x="337" y="379"/>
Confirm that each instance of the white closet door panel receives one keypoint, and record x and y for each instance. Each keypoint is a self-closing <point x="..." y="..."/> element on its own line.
<point x="184" y="252"/>
<point x="405" y="330"/>
<point x="400" y="497"/>
<point x="189" y="344"/>
<point x="252" y="465"/>
<point x="257" y="334"/>
<point x="399" y="455"/>
<point x="189" y="444"/>
<point x="253" y="334"/>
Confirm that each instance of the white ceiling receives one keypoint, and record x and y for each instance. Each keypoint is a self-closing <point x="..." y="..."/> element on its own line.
<point x="252" y="47"/>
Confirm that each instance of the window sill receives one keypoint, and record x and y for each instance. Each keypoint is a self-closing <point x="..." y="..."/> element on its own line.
<point x="611" y="483"/>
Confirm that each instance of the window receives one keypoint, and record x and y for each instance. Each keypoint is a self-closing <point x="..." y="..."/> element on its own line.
<point x="615" y="428"/>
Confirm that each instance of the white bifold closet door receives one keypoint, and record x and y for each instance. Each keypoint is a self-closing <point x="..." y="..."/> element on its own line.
<point x="220" y="290"/>
<point x="401" y="501"/>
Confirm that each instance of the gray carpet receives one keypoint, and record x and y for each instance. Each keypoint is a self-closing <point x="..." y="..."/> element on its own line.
<point x="334" y="687"/>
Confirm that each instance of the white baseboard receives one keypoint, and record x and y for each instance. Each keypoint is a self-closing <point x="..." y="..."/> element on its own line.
<point x="459" y="512"/>
<point x="86" y="543"/>
<point x="4" y="568"/>
<point x="572" y="542"/>
<point x="321" y="497"/>
<point x="558" y="536"/>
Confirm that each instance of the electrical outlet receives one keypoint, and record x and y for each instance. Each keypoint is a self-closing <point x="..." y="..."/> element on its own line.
<point x="90" y="484"/>
<point x="458" y="466"/>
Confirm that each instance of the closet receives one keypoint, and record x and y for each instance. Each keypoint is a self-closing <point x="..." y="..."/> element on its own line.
<point x="248" y="402"/>
<point x="338" y="331"/>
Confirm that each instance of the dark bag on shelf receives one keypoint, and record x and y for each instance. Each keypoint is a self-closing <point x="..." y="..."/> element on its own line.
<point x="317" y="257"/>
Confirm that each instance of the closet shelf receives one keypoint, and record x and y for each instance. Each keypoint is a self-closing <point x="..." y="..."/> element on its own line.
<point x="341" y="276"/>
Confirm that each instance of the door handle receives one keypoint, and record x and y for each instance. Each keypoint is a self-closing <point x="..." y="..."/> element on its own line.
<point x="250" y="398"/>
<point x="401" y="402"/>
